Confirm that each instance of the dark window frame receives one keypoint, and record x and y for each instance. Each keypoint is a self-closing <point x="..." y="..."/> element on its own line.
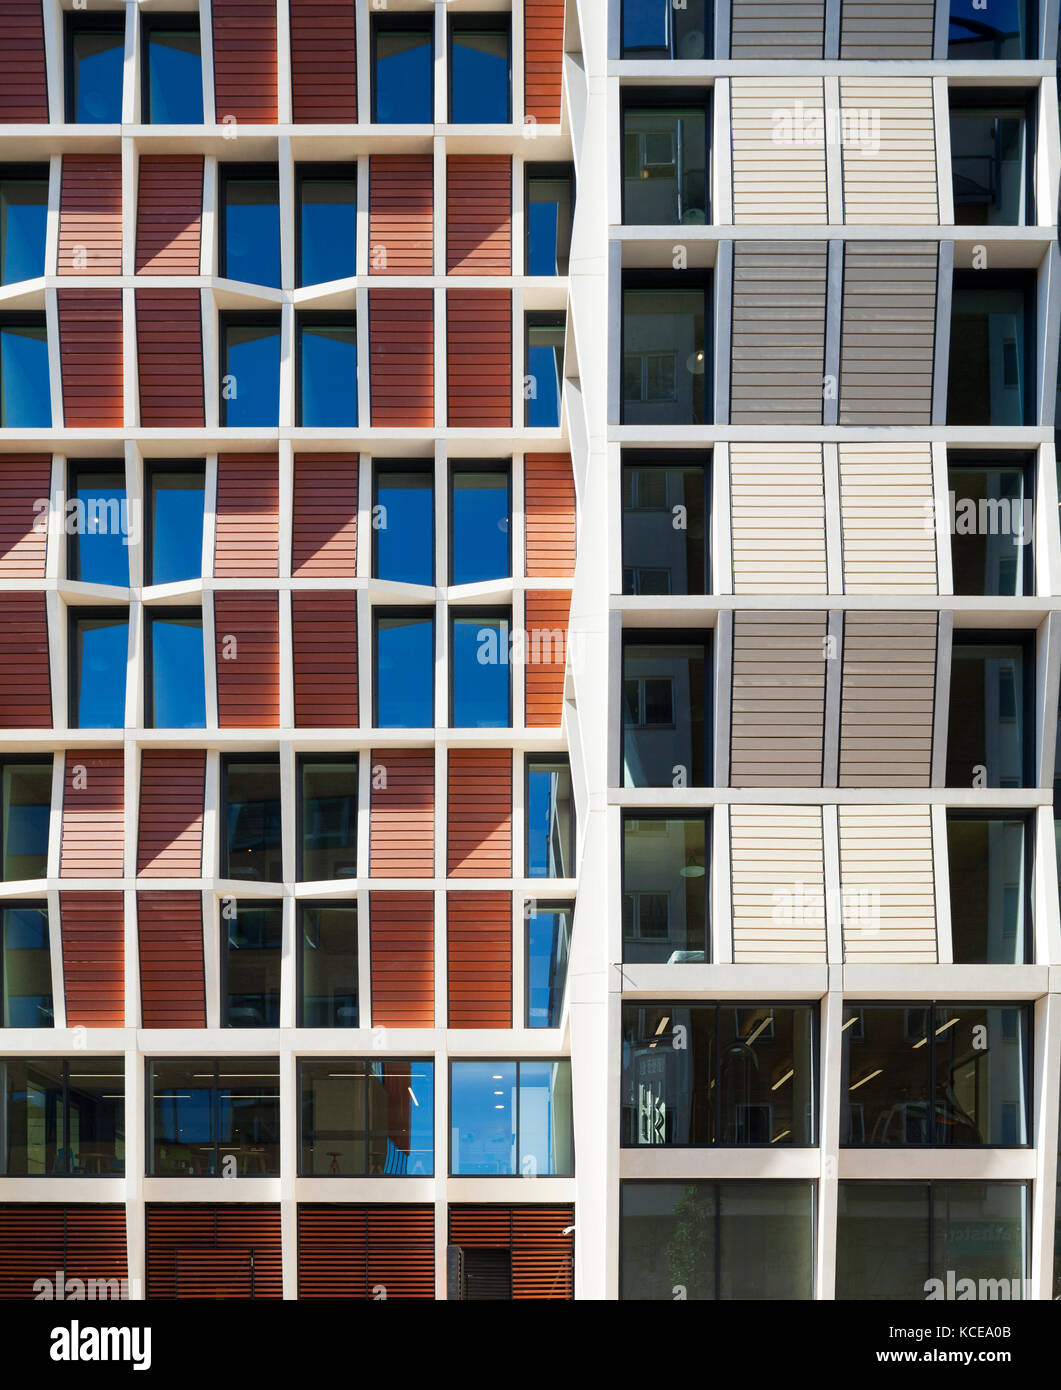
<point x="545" y="905"/>
<point x="544" y="318"/>
<point x="959" y="98"/>
<point x="487" y="611"/>
<point x="478" y="22"/>
<point x="175" y="21"/>
<point x="331" y="171"/>
<point x="234" y="172"/>
<point x="423" y="612"/>
<point x="28" y="759"/>
<point x="367" y="1062"/>
<point x="337" y="759"/>
<point x="502" y="468"/>
<point x="74" y="617"/>
<point x="703" y="814"/>
<point x="14" y="318"/>
<point x="80" y="21"/>
<point x="560" y="757"/>
<point x="192" y="468"/>
<point x="1027" y="281"/>
<point x="24" y="905"/>
<point x="75" y="468"/>
<point x="155" y="613"/>
<point x="541" y="173"/>
<point x="420" y="465"/>
<point x="28" y="172"/>
<point x="215" y="1110"/>
<point x="228" y="319"/>
<point x="324" y="318"/>
<point x="666" y="99"/>
<point x="670" y="459"/>
<point x="409" y="21"/>
<point x="223" y="921"/>
<point x="229" y="760"/>
<point x="677" y="636"/>
<point x="973" y="460"/>
<point x="1026" y="639"/>
<point x="970" y="813"/>
<point x="517" y="1062"/>
<point x="301" y="906"/>
<point x="697" y="278"/>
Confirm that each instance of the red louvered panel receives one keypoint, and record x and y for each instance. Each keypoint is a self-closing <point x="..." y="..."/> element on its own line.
<point x="324" y="520"/>
<point x="95" y="1248"/>
<point x="92" y="927"/>
<point x="480" y="813"/>
<point x="245" y="83"/>
<point x="479" y="355"/>
<point x="400" y="214"/>
<point x="402" y="840"/>
<point x="169" y="215"/>
<point x="479" y="215"/>
<point x="90" y="215"/>
<point x="543" y="61"/>
<point x="549" y="502"/>
<point x="93" y="843"/>
<point x="403" y="959"/>
<point x="324" y="640"/>
<point x="199" y="1251"/>
<point x="323" y="61"/>
<point x="90" y="354"/>
<point x="172" y="986"/>
<point x="366" y="1252"/>
<point x="480" y="1227"/>
<point x="401" y="352"/>
<point x="545" y="618"/>
<point x="25" y="685"/>
<point x="169" y="342"/>
<point x="25" y="484"/>
<point x="172" y="785"/>
<point x="543" y="1257"/>
<point x="248" y="517"/>
<point x="479" y="959"/>
<point x="86" y="1243"/>
<point x="247" y="627"/>
<point x="23" y="84"/>
<point x="32" y="1246"/>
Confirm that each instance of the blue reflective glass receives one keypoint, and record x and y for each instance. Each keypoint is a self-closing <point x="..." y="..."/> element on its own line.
<point x="480" y="527"/>
<point x="328" y="381"/>
<point x="645" y="23"/>
<point x="101" y="542"/>
<point x="548" y="944"/>
<point x="404" y="91"/>
<point x="404" y="527"/>
<point x="175" y="77"/>
<point x="25" y="390"/>
<point x="479" y="78"/>
<point x="979" y="31"/>
<point x="483" y="1118"/>
<point x="100" y="655"/>
<point x="548" y="225"/>
<point x="178" y="681"/>
<point x="545" y="367"/>
<point x="545" y="1138"/>
<point x="327" y="230"/>
<point x="252" y="231"/>
<point x="550" y="816"/>
<point x="27" y="799"/>
<point x="23" y="224"/>
<point x="481" y="668"/>
<point x="405" y="673"/>
<point x="98" y="57"/>
<point x="667" y="29"/>
<point x="26" y="968"/>
<point x="251" y="393"/>
<point x="176" y="527"/>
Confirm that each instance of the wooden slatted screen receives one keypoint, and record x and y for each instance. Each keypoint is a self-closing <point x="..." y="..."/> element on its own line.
<point x="90" y="215"/>
<point x="324" y="649"/>
<point x="92" y="926"/>
<point x="172" y="788"/>
<point x="200" y="1251"/>
<point x="402" y="933"/>
<point x="25" y="685"/>
<point x="247" y="631"/>
<point x="324" y="520"/>
<point x="480" y="813"/>
<point x="247" y="542"/>
<point x="479" y="959"/>
<point x="367" y="1252"/>
<point x="402" y="834"/>
<point x="169" y="215"/>
<point x="172" y="981"/>
<point x="93" y="836"/>
<point x="25" y="483"/>
<point x="85" y="1241"/>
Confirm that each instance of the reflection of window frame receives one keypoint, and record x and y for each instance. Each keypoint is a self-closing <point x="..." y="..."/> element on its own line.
<point x="633" y="896"/>
<point x="1016" y="103"/>
<point x="168" y="22"/>
<point x="39" y="905"/>
<point x="642" y="702"/>
<point x="306" y="171"/>
<point x="642" y="359"/>
<point x="373" y="1072"/>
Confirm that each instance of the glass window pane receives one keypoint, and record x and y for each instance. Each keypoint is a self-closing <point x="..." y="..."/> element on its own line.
<point x="992" y="529"/>
<point x="251" y="246"/>
<point x="550" y="819"/>
<point x="95" y="1117"/>
<point x="1003" y="31"/>
<point x="548" y="949"/>
<point x="404" y="91"/>
<point x="981" y="1061"/>
<point x="250" y="393"/>
<point x="882" y="1240"/>
<point x="766" y="1240"/>
<point x="664" y="725"/>
<point x="34" y="1122"/>
<point x="661" y="29"/>
<point x="251" y="967"/>
<point x="329" y="965"/>
<point x="97" y="59"/>
<point x="329" y="819"/>
<point x="546" y="1142"/>
<point x="403" y="526"/>
<point x="978" y="1234"/>
<point x="367" y="1119"/>
<point x="27" y="800"/>
<point x="251" y="844"/>
<point x="664" y="166"/>
<point x="669" y="1085"/>
<point x="766" y="1075"/>
<point x="988" y="893"/>
<point x="664" y="529"/>
<point x="175" y="77"/>
<point x="183" y="1119"/>
<point x="483" y="1118"/>
<point x="178" y="675"/>
<point x="989" y="382"/>
<point x="480" y="526"/>
<point x="99" y="545"/>
<point x="23" y="227"/>
<point x="405" y="672"/>
<point x="985" y="738"/>
<point x="101" y="654"/>
<point x="25" y="390"/>
<point x="663" y="357"/>
<point x="665" y="885"/>
<point x="327" y="229"/>
<point x="886" y="1076"/>
<point x="176" y="526"/>
<point x="249" y="1116"/>
<point x="549" y="212"/>
<point x="26" y="967"/>
<point x="479" y="73"/>
<point x="545" y="374"/>
<point x="481" y="671"/>
<point x="328" y="374"/>
<point x="989" y="166"/>
<point x="668" y="1241"/>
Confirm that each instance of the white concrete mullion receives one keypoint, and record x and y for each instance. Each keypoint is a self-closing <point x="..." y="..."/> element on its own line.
<point x="721" y="155"/>
<point x="1047" y="681"/>
<point x="366" y="765"/>
<point x="721" y="870"/>
<point x="441" y="64"/>
<point x="834" y="669"/>
<point x="441" y="1134"/>
<point x="941" y="123"/>
<point x="289" y="1121"/>
<point x="832" y="1011"/>
<point x="834" y="158"/>
<point x="288" y="349"/>
<point x="941" y="355"/>
<point x="51" y="230"/>
<point x="59" y="658"/>
<point x="286" y="504"/>
<point x="517" y="670"/>
<point x="54" y="520"/>
<point x="361" y="235"/>
<point x="1045" y="920"/>
<point x="211" y="362"/>
<point x="364" y="358"/>
<point x="289" y="929"/>
<point x="722" y="697"/>
<point x="720" y="520"/>
<point x="721" y="355"/>
<point x="55" y="939"/>
<point x="135" y="1164"/>
<point x="131" y="951"/>
<point x="941" y="874"/>
<point x="131" y="65"/>
<point x="941" y="518"/>
<point x="52" y="16"/>
<point x="1048" y="152"/>
<point x="940" y="713"/>
<point x="834" y="526"/>
<point x="134" y="684"/>
<point x="1048" y="306"/>
<point x="283" y="67"/>
<point x="208" y="248"/>
<point x="214" y="927"/>
<point x="287" y="209"/>
<point x="363" y="58"/>
<point x="55" y="373"/>
<point x="364" y="960"/>
<point x="440" y="482"/>
<point x="441" y="978"/>
<point x="1046" y="1052"/>
<point x="831" y="873"/>
<point x="1047" y="541"/>
<point x="518" y="518"/>
<point x="130" y="361"/>
<point x="206" y="47"/>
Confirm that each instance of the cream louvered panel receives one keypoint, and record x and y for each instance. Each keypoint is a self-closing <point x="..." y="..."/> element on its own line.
<point x="887" y="699"/>
<point x="777" y="29"/>
<point x="778" y="699"/>
<point x="778" y="517"/>
<point x="876" y="29"/>
<point x="887" y="887"/>
<point x="778" y="884"/>
<point x="886" y="511"/>
<point x="888" y="151"/>
<point x="778" y="137"/>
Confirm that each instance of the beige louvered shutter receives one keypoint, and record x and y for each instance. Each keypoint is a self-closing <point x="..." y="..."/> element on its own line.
<point x="778" y="884"/>
<point x="778" y="164"/>
<point x="886" y="509"/>
<point x="778" y="518"/>
<point x="887" y="886"/>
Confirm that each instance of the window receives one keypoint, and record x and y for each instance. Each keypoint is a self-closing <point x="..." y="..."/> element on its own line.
<point x="367" y="1119"/>
<point x="665" y="700"/>
<point x="25" y="386"/>
<point x="664" y="353"/>
<point x="95" y="59"/>
<point x="480" y="681"/>
<point x="716" y="1240"/>
<point x="511" y="1119"/>
<point x="992" y="351"/>
<point x="403" y="523"/>
<point x="942" y="1076"/>
<point x="173" y="70"/>
<point x="327" y="222"/>
<point x="327" y="370"/>
<point x="252" y="941"/>
<point x="548" y="949"/>
<point x="665" y="888"/>
<point x="175" y="531"/>
<point x="549" y="205"/>
<point x="661" y="29"/>
<point x="550" y="818"/>
<point x="665" y="502"/>
<point x="479" y="70"/>
<point x="405" y="669"/>
<point x="992" y="524"/>
<point x="1007" y="31"/>
<point x="63" y="1118"/>
<point x="99" y="656"/>
<point x="26" y="811"/>
<point x="250" y="825"/>
<point x="250" y="224"/>
<point x="665" y="173"/>
<point x="250" y="355"/>
<point x="212" y="1118"/>
<point x="991" y="721"/>
<point x="176" y="671"/>
<point x="403" y="67"/>
<point x="894" y="1238"/>
<point x="545" y="369"/>
<point x="990" y="888"/>
<point x="730" y="1074"/>
<point x="23" y="221"/>
<point x="991" y="166"/>
<point x="480" y="533"/>
<point x="25" y="966"/>
<point x="98" y="532"/>
<point x="328" y="818"/>
<point x="328" y="965"/>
